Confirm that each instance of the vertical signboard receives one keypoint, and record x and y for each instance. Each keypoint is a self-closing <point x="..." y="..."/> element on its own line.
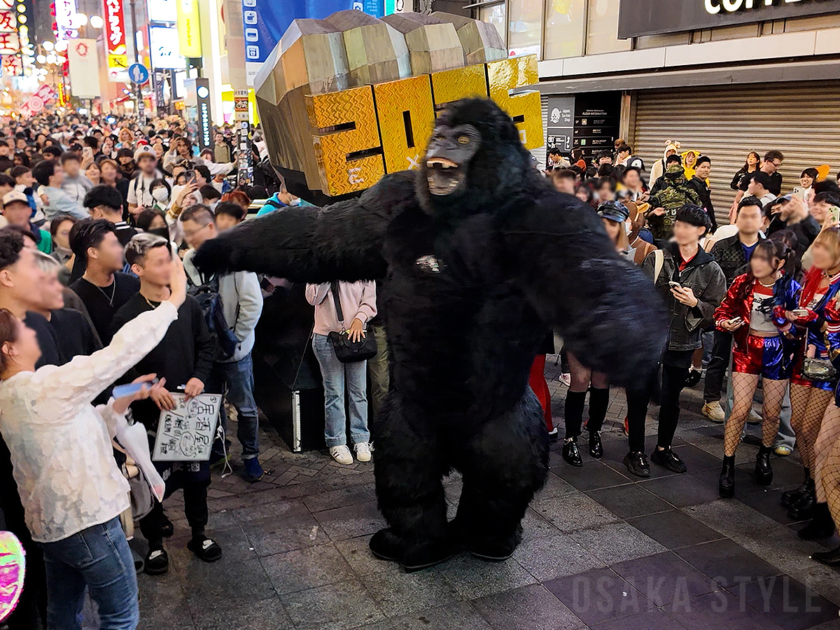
<point x="560" y="126"/>
<point x="204" y="119"/>
<point x="596" y="122"/>
<point x="264" y="22"/>
<point x="84" y="68"/>
<point x="189" y="28"/>
<point x="115" y="41"/>
<point x="243" y="129"/>
<point x="65" y="13"/>
<point x="9" y="40"/>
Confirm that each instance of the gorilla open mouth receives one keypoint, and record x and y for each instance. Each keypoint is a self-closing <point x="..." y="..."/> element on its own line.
<point x="444" y="176"/>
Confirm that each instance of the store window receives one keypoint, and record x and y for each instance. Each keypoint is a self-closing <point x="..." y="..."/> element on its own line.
<point x="565" y="22"/>
<point x="495" y="15"/>
<point x="525" y="27"/>
<point x="602" y="29"/>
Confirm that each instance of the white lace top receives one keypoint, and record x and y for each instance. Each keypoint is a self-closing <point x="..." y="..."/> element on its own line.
<point x="61" y="450"/>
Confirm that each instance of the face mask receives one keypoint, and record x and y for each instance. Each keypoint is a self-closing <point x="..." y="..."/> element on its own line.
<point x="160" y="194"/>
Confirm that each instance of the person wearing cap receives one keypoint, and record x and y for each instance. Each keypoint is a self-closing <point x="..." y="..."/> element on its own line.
<point x="105" y="202"/>
<point x="140" y="189"/>
<point x="17" y="211"/>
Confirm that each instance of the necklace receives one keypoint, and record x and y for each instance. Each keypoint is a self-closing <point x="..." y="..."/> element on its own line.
<point x="766" y="285"/>
<point x="113" y="291"/>
<point x="150" y="303"/>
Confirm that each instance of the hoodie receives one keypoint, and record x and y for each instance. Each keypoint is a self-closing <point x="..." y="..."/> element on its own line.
<point x="689" y="171"/>
<point x="659" y="166"/>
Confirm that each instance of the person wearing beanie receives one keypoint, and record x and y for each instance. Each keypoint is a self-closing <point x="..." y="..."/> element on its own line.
<point x="658" y="168"/>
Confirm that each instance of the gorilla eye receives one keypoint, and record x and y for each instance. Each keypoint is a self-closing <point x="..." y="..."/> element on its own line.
<point x="462" y="139"/>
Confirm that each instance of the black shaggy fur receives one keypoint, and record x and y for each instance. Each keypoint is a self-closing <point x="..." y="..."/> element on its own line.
<point x="515" y="258"/>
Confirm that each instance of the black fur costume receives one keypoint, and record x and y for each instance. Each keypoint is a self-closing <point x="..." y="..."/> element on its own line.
<point x="471" y="283"/>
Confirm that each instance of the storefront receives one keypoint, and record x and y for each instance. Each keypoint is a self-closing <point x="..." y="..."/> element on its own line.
<point x="721" y="76"/>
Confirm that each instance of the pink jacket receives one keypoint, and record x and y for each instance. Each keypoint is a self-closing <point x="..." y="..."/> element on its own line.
<point x="358" y="301"/>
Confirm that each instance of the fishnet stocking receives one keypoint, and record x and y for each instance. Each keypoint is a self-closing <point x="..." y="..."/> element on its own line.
<point x="807" y="407"/>
<point x="743" y="390"/>
<point x="827" y="461"/>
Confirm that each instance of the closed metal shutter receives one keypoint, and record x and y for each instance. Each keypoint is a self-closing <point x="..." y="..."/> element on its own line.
<point x="802" y="120"/>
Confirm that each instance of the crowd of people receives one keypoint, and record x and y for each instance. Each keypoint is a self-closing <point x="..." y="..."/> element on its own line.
<point x="98" y="215"/>
<point x="756" y="297"/>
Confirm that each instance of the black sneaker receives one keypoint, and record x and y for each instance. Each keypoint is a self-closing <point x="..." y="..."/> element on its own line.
<point x="554" y="434"/>
<point x="667" y="458"/>
<point x="157" y="562"/>
<point x="637" y="464"/>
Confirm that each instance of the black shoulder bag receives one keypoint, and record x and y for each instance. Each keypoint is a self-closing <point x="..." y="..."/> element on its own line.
<point x="348" y="351"/>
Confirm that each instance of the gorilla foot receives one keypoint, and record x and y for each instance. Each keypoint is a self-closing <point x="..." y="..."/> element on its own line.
<point x="495" y="549"/>
<point x="386" y="545"/>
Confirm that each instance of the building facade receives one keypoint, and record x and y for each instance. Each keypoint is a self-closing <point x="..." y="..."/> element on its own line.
<point x="723" y="77"/>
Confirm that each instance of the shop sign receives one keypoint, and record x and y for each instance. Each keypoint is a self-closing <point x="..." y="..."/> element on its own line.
<point x="162" y="10"/>
<point x="36" y="103"/>
<point x="84" y="68"/>
<point x="163" y="43"/>
<point x="189" y="28"/>
<point x="654" y="17"/>
<point x="115" y="40"/>
<point x="205" y="121"/>
<point x="65" y="13"/>
<point x="9" y="40"/>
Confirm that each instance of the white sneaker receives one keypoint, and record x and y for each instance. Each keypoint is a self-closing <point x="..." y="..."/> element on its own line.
<point x="566" y="379"/>
<point x="713" y="411"/>
<point x="754" y="417"/>
<point x="363" y="450"/>
<point x="341" y="454"/>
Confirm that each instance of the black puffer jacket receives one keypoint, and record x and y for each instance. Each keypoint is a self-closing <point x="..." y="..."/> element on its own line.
<point x="704" y="277"/>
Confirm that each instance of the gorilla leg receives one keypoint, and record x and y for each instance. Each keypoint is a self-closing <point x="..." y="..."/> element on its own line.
<point x="410" y="463"/>
<point x="503" y="466"/>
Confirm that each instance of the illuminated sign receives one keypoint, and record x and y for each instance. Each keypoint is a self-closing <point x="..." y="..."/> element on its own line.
<point x="637" y="18"/>
<point x="163" y="46"/>
<point x="189" y="28"/>
<point x="65" y="12"/>
<point x="115" y="40"/>
<point x="205" y="123"/>
<point x="162" y="10"/>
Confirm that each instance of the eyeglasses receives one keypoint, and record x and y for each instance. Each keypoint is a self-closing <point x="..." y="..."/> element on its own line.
<point x="194" y="232"/>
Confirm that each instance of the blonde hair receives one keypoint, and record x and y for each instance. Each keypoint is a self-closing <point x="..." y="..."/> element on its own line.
<point x="622" y="242"/>
<point x="830" y="240"/>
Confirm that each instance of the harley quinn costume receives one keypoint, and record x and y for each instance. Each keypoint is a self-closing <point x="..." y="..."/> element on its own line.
<point x="760" y="350"/>
<point x="809" y="399"/>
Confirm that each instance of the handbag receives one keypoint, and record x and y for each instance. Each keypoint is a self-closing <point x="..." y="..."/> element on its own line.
<point x="347" y="351"/>
<point x="818" y="370"/>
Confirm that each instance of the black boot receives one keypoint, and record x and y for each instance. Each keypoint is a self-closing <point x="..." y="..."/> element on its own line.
<point x="790" y="497"/>
<point x="821" y="526"/>
<point x="726" y="483"/>
<point x="571" y="453"/>
<point x="763" y="470"/>
<point x="804" y="508"/>
<point x="596" y="449"/>
<point x="831" y="558"/>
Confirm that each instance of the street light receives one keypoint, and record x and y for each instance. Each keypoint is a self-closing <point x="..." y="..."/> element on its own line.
<point x="97" y="22"/>
<point x="61" y="46"/>
<point x="41" y="59"/>
<point x="80" y="19"/>
<point x="48" y="46"/>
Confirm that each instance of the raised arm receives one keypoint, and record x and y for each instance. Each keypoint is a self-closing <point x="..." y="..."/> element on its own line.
<point x="606" y="310"/>
<point x="339" y="242"/>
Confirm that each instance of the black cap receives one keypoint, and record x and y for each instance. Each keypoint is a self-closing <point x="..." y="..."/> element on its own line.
<point x="614" y="211"/>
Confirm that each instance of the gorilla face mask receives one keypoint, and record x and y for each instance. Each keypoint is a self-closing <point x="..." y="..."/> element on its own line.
<point x="447" y="156"/>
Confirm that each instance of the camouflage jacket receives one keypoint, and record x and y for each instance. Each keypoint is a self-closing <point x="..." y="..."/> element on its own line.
<point x="671" y="192"/>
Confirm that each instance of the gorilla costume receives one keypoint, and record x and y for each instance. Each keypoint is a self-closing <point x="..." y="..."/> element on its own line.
<point x="479" y="256"/>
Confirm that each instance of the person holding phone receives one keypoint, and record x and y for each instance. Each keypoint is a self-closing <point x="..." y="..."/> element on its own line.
<point x="60" y="444"/>
<point x="810" y="398"/>
<point x="692" y="286"/>
<point x="753" y="312"/>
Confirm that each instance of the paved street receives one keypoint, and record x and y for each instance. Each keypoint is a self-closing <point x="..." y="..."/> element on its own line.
<point x="601" y="550"/>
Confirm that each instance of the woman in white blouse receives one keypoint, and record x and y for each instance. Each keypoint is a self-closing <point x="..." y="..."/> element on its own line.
<point x="68" y="480"/>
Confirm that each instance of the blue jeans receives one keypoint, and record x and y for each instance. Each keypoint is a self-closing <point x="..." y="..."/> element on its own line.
<point x="97" y="558"/>
<point x="236" y="381"/>
<point x="336" y="375"/>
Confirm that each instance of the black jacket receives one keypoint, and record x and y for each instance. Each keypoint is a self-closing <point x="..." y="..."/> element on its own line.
<point x="704" y="277"/>
<point x="729" y="255"/>
<point x="705" y="194"/>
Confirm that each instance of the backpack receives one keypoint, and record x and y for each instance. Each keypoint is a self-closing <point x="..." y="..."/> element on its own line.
<point x="212" y="306"/>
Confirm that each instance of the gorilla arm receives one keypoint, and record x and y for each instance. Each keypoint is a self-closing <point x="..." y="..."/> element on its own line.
<point x="339" y="242"/>
<point x="605" y="309"/>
